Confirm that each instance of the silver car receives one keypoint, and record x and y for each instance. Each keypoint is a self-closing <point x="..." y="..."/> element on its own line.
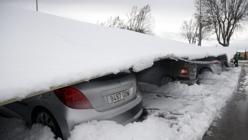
<point x="112" y="97"/>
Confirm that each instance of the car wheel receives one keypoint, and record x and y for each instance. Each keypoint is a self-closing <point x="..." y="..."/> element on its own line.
<point x="165" y="80"/>
<point x="45" y="118"/>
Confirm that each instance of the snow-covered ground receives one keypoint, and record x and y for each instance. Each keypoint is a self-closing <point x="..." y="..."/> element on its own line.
<point x="15" y="129"/>
<point x="176" y="112"/>
<point x="41" y="52"/>
<point x="245" y="83"/>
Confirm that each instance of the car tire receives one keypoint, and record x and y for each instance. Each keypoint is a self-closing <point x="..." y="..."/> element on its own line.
<point x="44" y="117"/>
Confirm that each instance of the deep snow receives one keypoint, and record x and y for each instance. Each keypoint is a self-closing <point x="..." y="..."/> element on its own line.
<point x="176" y="112"/>
<point x="15" y="129"/>
<point x="41" y="52"/>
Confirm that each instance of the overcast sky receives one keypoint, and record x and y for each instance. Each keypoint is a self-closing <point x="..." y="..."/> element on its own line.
<point x="168" y="15"/>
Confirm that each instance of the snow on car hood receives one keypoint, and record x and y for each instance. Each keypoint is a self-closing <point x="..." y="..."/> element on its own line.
<point x="41" y="52"/>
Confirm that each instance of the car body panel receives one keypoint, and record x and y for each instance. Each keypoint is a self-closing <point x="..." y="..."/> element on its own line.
<point x="212" y="66"/>
<point x="168" y="68"/>
<point x="97" y="91"/>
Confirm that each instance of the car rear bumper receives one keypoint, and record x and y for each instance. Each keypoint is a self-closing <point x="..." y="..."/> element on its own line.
<point x="123" y="114"/>
<point x="130" y="115"/>
<point x="188" y="81"/>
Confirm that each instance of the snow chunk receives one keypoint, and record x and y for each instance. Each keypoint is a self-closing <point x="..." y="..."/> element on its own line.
<point x="107" y="130"/>
<point x="12" y="128"/>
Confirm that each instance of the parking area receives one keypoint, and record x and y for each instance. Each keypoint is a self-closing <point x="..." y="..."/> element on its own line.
<point x="64" y="78"/>
<point x="173" y="111"/>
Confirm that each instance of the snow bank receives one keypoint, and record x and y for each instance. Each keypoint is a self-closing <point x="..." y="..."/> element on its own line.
<point x="15" y="129"/>
<point x="177" y="112"/>
<point x="41" y="52"/>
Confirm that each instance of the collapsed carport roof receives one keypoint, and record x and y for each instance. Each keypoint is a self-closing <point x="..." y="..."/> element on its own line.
<point x="41" y="52"/>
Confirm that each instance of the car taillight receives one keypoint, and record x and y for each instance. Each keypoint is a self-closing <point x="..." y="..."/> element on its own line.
<point x="184" y="72"/>
<point x="73" y="98"/>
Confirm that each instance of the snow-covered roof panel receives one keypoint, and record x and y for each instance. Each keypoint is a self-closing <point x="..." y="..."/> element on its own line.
<point x="41" y="52"/>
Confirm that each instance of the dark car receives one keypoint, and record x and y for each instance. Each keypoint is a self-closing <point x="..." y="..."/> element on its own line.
<point x="213" y="65"/>
<point x="167" y="70"/>
<point x="221" y="59"/>
<point x="209" y="65"/>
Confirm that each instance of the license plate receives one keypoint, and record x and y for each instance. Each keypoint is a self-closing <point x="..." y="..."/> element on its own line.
<point x="116" y="97"/>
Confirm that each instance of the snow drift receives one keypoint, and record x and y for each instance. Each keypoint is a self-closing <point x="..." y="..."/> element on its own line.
<point x="41" y="52"/>
<point x="177" y="112"/>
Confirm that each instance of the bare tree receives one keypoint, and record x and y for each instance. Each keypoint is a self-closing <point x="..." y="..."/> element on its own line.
<point x="189" y="31"/>
<point x="204" y="25"/>
<point x="140" y="20"/>
<point x="115" y="22"/>
<point x="225" y="16"/>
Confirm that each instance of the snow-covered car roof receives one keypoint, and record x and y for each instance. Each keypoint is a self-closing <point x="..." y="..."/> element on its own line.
<point x="41" y="52"/>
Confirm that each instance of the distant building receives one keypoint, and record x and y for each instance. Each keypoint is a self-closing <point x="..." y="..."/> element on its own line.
<point x="242" y="55"/>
